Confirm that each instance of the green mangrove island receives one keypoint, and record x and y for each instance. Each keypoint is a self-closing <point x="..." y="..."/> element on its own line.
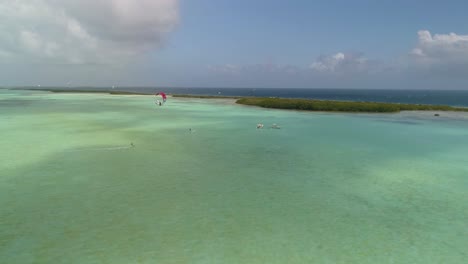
<point x="342" y="106"/>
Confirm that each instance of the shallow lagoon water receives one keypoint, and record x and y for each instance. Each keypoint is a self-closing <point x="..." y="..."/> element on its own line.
<point x="325" y="188"/>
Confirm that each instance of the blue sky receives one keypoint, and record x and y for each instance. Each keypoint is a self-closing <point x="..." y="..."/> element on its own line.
<point x="262" y="43"/>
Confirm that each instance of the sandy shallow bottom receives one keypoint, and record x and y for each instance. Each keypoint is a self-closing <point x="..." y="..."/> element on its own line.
<point x="325" y="188"/>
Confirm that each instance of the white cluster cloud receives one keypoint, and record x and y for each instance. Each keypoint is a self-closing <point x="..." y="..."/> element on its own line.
<point x="435" y="57"/>
<point x="328" y="63"/>
<point x="441" y="48"/>
<point x="264" y="68"/>
<point x="227" y="68"/>
<point x="83" y="31"/>
<point x="341" y="63"/>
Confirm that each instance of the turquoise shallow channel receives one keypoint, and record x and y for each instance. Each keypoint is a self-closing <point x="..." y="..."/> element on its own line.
<point x="325" y="188"/>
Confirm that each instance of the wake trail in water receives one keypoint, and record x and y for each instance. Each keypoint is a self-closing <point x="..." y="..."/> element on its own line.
<point x="102" y="149"/>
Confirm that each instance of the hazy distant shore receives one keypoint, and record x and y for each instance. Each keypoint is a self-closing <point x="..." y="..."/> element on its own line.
<point x="82" y="91"/>
<point x="207" y="96"/>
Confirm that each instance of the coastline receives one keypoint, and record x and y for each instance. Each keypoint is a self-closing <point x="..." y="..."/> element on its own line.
<point x="310" y="105"/>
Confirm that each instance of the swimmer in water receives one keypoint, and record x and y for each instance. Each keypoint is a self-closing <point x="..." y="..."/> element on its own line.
<point x="132" y="145"/>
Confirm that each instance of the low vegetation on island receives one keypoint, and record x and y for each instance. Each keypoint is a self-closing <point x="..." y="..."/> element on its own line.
<point x="342" y="106"/>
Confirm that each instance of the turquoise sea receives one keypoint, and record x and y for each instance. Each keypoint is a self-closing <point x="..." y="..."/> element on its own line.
<point x="325" y="188"/>
<point x="431" y="97"/>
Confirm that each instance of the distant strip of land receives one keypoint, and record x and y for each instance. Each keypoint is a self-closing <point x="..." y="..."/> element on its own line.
<point x="342" y="106"/>
<point x="88" y="91"/>
<point x="294" y="104"/>
<point x="207" y="96"/>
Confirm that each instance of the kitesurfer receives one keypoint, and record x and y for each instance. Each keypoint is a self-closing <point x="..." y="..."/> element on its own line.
<point x="163" y="95"/>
